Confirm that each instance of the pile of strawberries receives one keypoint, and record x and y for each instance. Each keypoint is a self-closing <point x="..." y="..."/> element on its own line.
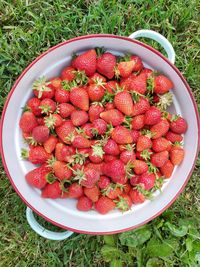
<point x="100" y="132"/>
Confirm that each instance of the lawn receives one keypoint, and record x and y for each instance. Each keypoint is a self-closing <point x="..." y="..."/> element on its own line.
<point x="28" y="28"/>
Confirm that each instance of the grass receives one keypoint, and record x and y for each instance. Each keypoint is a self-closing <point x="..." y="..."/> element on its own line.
<point x="28" y="28"/>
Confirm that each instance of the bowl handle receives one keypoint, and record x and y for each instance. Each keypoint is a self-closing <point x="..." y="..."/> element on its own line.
<point x="158" y="38"/>
<point x="40" y="230"/>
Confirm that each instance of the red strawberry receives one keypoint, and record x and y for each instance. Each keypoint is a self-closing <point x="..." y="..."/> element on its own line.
<point x="138" y="84"/>
<point x="96" y="92"/>
<point x="136" y="196"/>
<point x="96" y="154"/>
<point x="161" y="144"/>
<point x="79" y="117"/>
<point x="79" y="141"/>
<point x="92" y="193"/>
<point x="52" y="190"/>
<point x="68" y="73"/>
<point x="173" y="137"/>
<point x="126" y="188"/>
<point x="124" y="68"/>
<point x="47" y="106"/>
<point x="124" y="202"/>
<point x="111" y="86"/>
<point x="108" y="158"/>
<point x="148" y="180"/>
<point x="103" y="182"/>
<point x="33" y="104"/>
<point x="120" y="179"/>
<point x="159" y="129"/>
<point x="86" y="61"/>
<point x="55" y="82"/>
<point x="123" y="102"/>
<point x="61" y="95"/>
<point x="58" y="150"/>
<point x="27" y="122"/>
<point x="84" y="204"/>
<point x="106" y="64"/>
<point x="162" y="84"/>
<point x="87" y="177"/>
<point x="112" y="191"/>
<point x="113" y="116"/>
<point x="79" y="98"/>
<point x="66" y="153"/>
<point x="135" y="135"/>
<point x="99" y="126"/>
<point x="40" y="121"/>
<point x="121" y="135"/>
<point x="127" y="156"/>
<point x="167" y="169"/>
<point x="134" y="180"/>
<point x="115" y="168"/>
<point x="104" y="205"/>
<point x="143" y="143"/>
<point x="43" y="89"/>
<point x="160" y="158"/>
<point x="111" y="148"/>
<point x="137" y="63"/>
<point x="177" y="155"/>
<point x="94" y="111"/>
<point x="53" y="120"/>
<point x="97" y="167"/>
<point x="38" y="177"/>
<point x="148" y="72"/>
<point x="109" y="106"/>
<point x="50" y="144"/>
<point x="61" y="170"/>
<point x="141" y="106"/>
<point x="40" y="133"/>
<point x="87" y="129"/>
<point x="152" y="116"/>
<point x="125" y="82"/>
<point x="140" y="166"/>
<point x="65" y="109"/>
<point x="75" y="191"/>
<point x="65" y="130"/>
<point x="36" y="155"/>
<point x="137" y="122"/>
<point x="178" y="125"/>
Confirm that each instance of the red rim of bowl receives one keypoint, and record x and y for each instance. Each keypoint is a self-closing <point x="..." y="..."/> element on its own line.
<point x="21" y="76"/>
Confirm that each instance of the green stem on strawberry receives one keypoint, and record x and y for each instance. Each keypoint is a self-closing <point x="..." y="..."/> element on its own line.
<point x="152" y="168"/>
<point x="64" y="184"/>
<point x="146" y="154"/>
<point x="50" y="177"/>
<point x="78" y="158"/>
<point x="24" y="153"/>
<point x="41" y="85"/>
<point x="122" y="204"/>
<point x="165" y="101"/>
<point x="146" y="193"/>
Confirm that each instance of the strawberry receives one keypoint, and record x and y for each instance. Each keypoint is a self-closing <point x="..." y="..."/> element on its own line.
<point x="87" y="129"/>
<point x="47" y="106"/>
<point x="52" y="190"/>
<point x="178" y="125"/>
<point x="113" y="116"/>
<point x="86" y="61"/>
<point x="61" y="95"/>
<point x="61" y="170"/>
<point x="159" y="129"/>
<point x="167" y="169"/>
<point x="53" y="120"/>
<point x="125" y="82"/>
<point x="84" y="204"/>
<point x="79" y="98"/>
<point x="97" y="167"/>
<point x="55" y="82"/>
<point x="27" y="122"/>
<point x="173" y="137"/>
<point x="120" y="179"/>
<point x="177" y="155"/>
<point x="104" y="205"/>
<point x="124" y="68"/>
<point x="112" y="191"/>
<point x="143" y="143"/>
<point x="148" y="72"/>
<point x="144" y="155"/>
<point x="111" y="86"/>
<point x="108" y="158"/>
<point x="140" y="166"/>
<point x="124" y="202"/>
<point x="96" y="154"/>
<point x="160" y="144"/>
<point x="136" y="196"/>
<point x="135" y="135"/>
<point x="126" y="188"/>
<point x="99" y="126"/>
<point x="137" y="122"/>
<point x="148" y="180"/>
<point x="36" y="155"/>
<point x="92" y="193"/>
<point x="114" y="169"/>
<point x="121" y="135"/>
<point x="152" y="116"/>
<point x="79" y="141"/>
<point x="96" y="91"/>
<point x="160" y="158"/>
<point x="141" y="106"/>
<point x="43" y="89"/>
<point x="58" y="151"/>
<point x="68" y="73"/>
<point x="124" y="103"/>
<point x="75" y="190"/>
<point x="127" y="156"/>
<point x="65" y="130"/>
<point x="40" y="133"/>
<point x="95" y="111"/>
<point x="111" y="148"/>
<point x="103" y="182"/>
<point x="109" y="106"/>
<point x="138" y="84"/>
<point x="40" y="121"/>
<point x="33" y="104"/>
<point x="79" y="117"/>
<point x="50" y="144"/>
<point x="87" y="177"/>
<point x="134" y="180"/>
<point x="138" y="65"/>
<point x="38" y="177"/>
<point x="65" y="109"/>
<point x="162" y="84"/>
<point x="106" y="65"/>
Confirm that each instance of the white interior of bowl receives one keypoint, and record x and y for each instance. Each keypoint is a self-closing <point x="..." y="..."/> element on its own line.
<point x="63" y="211"/>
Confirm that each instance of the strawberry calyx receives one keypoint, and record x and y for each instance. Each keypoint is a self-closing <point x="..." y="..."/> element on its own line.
<point x="41" y="85"/>
<point x="174" y="117"/>
<point x="152" y="168"/>
<point x="97" y="150"/>
<point x="146" y="154"/>
<point x="45" y="109"/>
<point x="129" y="169"/>
<point x="148" y="194"/>
<point x="31" y="141"/>
<point x="78" y="158"/>
<point x="150" y="85"/>
<point x="177" y="144"/>
<point x="147" y="133"/>
<point x="79" y="175"/>
<point x="111" y="187"/>
<point x="158" y="183"/>
<point x="107" y="98"/>
<point x="165" y="101"/>
<point x="24" y="153"/>
<point x="100" y="51"/>
<point x="50" y="121"/>
<point x="50" y="178"/>
<point x="136" y="96"/>
<point x="68" y="85"/>
<point x="122" y="204"/>
<point x="64" y="184"/>
<point x="99" y="82"/>
<point x="80" y="77"/>
<point x="127" y="122"/>
<point x="51" y="161"/>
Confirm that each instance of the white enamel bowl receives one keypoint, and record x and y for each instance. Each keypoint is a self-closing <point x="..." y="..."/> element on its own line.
<point x="63" y="213"/>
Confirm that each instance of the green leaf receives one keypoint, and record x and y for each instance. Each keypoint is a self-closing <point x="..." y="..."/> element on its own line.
<point x="178" y="231"/>
<point x="116" y="263"/>
<point x="111" y="253"/>
<point x="154" y="262"/>
<point x="156" y="248"/>
<point x="188" y="243"/>
<point x="109" y="240"/>
<point x="136" y="237"/>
